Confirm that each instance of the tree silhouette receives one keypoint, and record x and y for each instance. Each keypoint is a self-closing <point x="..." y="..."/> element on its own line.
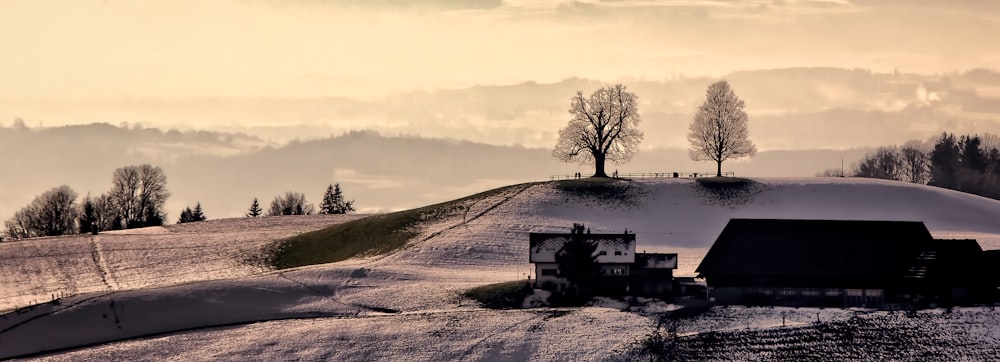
<point x="334" y="203"/>
<point x="191" y="215"/>
<point x="602" y="128"/>
<point x="719" y="130"/>
<point x="185" y="216"/>
<point x="139" y="194"/>
<point x="945" y="162"/>
<point x="197" y="214"/>
<point x="255" y="210"/>
<point x="88" y="217"/>
<point x="291" y="203"/>
<point x="577" y="261"/>
<point x="52" y="213"/>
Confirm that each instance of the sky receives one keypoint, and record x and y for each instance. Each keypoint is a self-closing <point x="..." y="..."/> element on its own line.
<point x="204" y="64"/>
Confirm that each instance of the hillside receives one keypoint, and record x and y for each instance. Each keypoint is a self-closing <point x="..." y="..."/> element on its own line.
<point x="406" y="302"/>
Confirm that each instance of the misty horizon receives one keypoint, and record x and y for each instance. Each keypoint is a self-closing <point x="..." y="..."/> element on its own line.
<point x="209" y="91"/>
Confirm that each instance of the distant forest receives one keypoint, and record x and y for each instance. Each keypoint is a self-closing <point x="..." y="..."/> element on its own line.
<point x="967" y="163"/>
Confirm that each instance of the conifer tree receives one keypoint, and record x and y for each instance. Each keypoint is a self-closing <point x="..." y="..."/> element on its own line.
<point x="326" y="207"/>
<point x="185" y="215"/>
<point x="577" y="261"/>
<point x="334" y="203"/>
<point x="255" y="210"/>
<point x="197" y="214"/>
<point x="88" y="216"/>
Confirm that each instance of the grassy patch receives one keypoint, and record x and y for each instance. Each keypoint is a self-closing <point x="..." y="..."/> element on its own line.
<point x="373" y="235"/>
<point x="724" y="182"/>
<point x="728" y="190"/>
<point x="603" y="189"/>
<point x="506" y="295"/>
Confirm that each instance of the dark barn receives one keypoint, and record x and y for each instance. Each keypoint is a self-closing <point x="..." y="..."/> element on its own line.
<point x="838" y="263"/>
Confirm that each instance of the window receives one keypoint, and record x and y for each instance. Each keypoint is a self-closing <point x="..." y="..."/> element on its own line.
<point x="618" y="253"/>
<point x="618" y="271"/>
<point x="832" y="292"/>
<point x="550" y="272"/>
<point x="602" y="252"/>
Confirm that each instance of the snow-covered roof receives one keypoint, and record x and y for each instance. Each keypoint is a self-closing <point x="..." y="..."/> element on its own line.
<point x="611" y="248"/>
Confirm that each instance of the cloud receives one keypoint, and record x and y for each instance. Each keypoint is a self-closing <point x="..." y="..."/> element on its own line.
<point x="397" y="4"/>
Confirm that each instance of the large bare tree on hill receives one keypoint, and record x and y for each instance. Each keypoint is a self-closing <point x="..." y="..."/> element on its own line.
<point x="603" y="128"/>
<point x="719" y="130"/>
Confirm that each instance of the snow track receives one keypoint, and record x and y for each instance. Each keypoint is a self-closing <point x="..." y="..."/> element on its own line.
<point x="102" y="264"/>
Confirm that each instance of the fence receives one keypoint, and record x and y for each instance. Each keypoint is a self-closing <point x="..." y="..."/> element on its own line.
<point x="649" y="175"/>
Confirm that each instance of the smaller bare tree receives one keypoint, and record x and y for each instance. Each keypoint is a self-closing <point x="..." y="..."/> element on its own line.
<point x="831" y="172"/>
<point x="719" y="130"/>
<point x="52" y="213"/>
<point x="915" y="161"/>
<point x="291" y="203"/>
<point x="885" y="163"/>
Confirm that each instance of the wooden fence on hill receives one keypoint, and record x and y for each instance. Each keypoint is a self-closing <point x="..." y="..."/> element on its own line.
<point x="649" y="175"/>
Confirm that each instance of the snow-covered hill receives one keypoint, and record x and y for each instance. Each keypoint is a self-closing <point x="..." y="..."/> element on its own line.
<point x="188" y="290"/>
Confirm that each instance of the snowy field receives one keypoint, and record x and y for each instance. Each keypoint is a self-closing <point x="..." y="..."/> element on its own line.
<point x="183" y="292"/>
<point x="33" y="271"/>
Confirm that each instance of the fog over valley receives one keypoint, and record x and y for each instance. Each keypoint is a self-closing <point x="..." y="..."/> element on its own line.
<point x="225" y="171"/>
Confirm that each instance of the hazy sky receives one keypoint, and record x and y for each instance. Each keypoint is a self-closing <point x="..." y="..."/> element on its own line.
<point x="81" y="61"/>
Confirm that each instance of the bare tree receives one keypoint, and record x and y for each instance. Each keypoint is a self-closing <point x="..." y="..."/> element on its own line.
<point x="291" y="203"/>
<point x="885" y="163"/>
<point x="139" y="194"/>
<point x="52" y="213"/>
<point x="719" y="130"/>
<point x="831" y="172"/>
<point x="989" y="142"/>
<point x="107" y="213"/>
<point x="602" y="128"/>
<point x="915" y="162"/>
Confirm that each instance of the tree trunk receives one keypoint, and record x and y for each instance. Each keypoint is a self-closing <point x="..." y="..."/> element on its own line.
<point x="599" y="166"/>
<point x="718" y="170"/>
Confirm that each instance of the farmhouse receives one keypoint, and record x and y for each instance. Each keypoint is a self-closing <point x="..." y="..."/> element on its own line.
<point x="622" y="270"/>
<point x="874" y="264"/>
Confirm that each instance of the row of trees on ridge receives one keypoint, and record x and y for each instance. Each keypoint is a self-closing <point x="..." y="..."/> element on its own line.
<point x="294" y="203"/>
<point x="136" y="199"/>
<point x="604" y="128"/>
<point x="967" y="163"/>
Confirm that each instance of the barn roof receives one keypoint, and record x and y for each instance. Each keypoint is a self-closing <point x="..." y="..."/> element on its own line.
<point x="821" y="248"/>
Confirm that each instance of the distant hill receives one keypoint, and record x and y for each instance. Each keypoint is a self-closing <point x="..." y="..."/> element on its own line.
<point x="225" y="171"/>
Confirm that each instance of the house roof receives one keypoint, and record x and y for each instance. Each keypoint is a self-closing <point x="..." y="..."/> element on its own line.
<point x="544" y="246"/>
<point x="816" y="248"/>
